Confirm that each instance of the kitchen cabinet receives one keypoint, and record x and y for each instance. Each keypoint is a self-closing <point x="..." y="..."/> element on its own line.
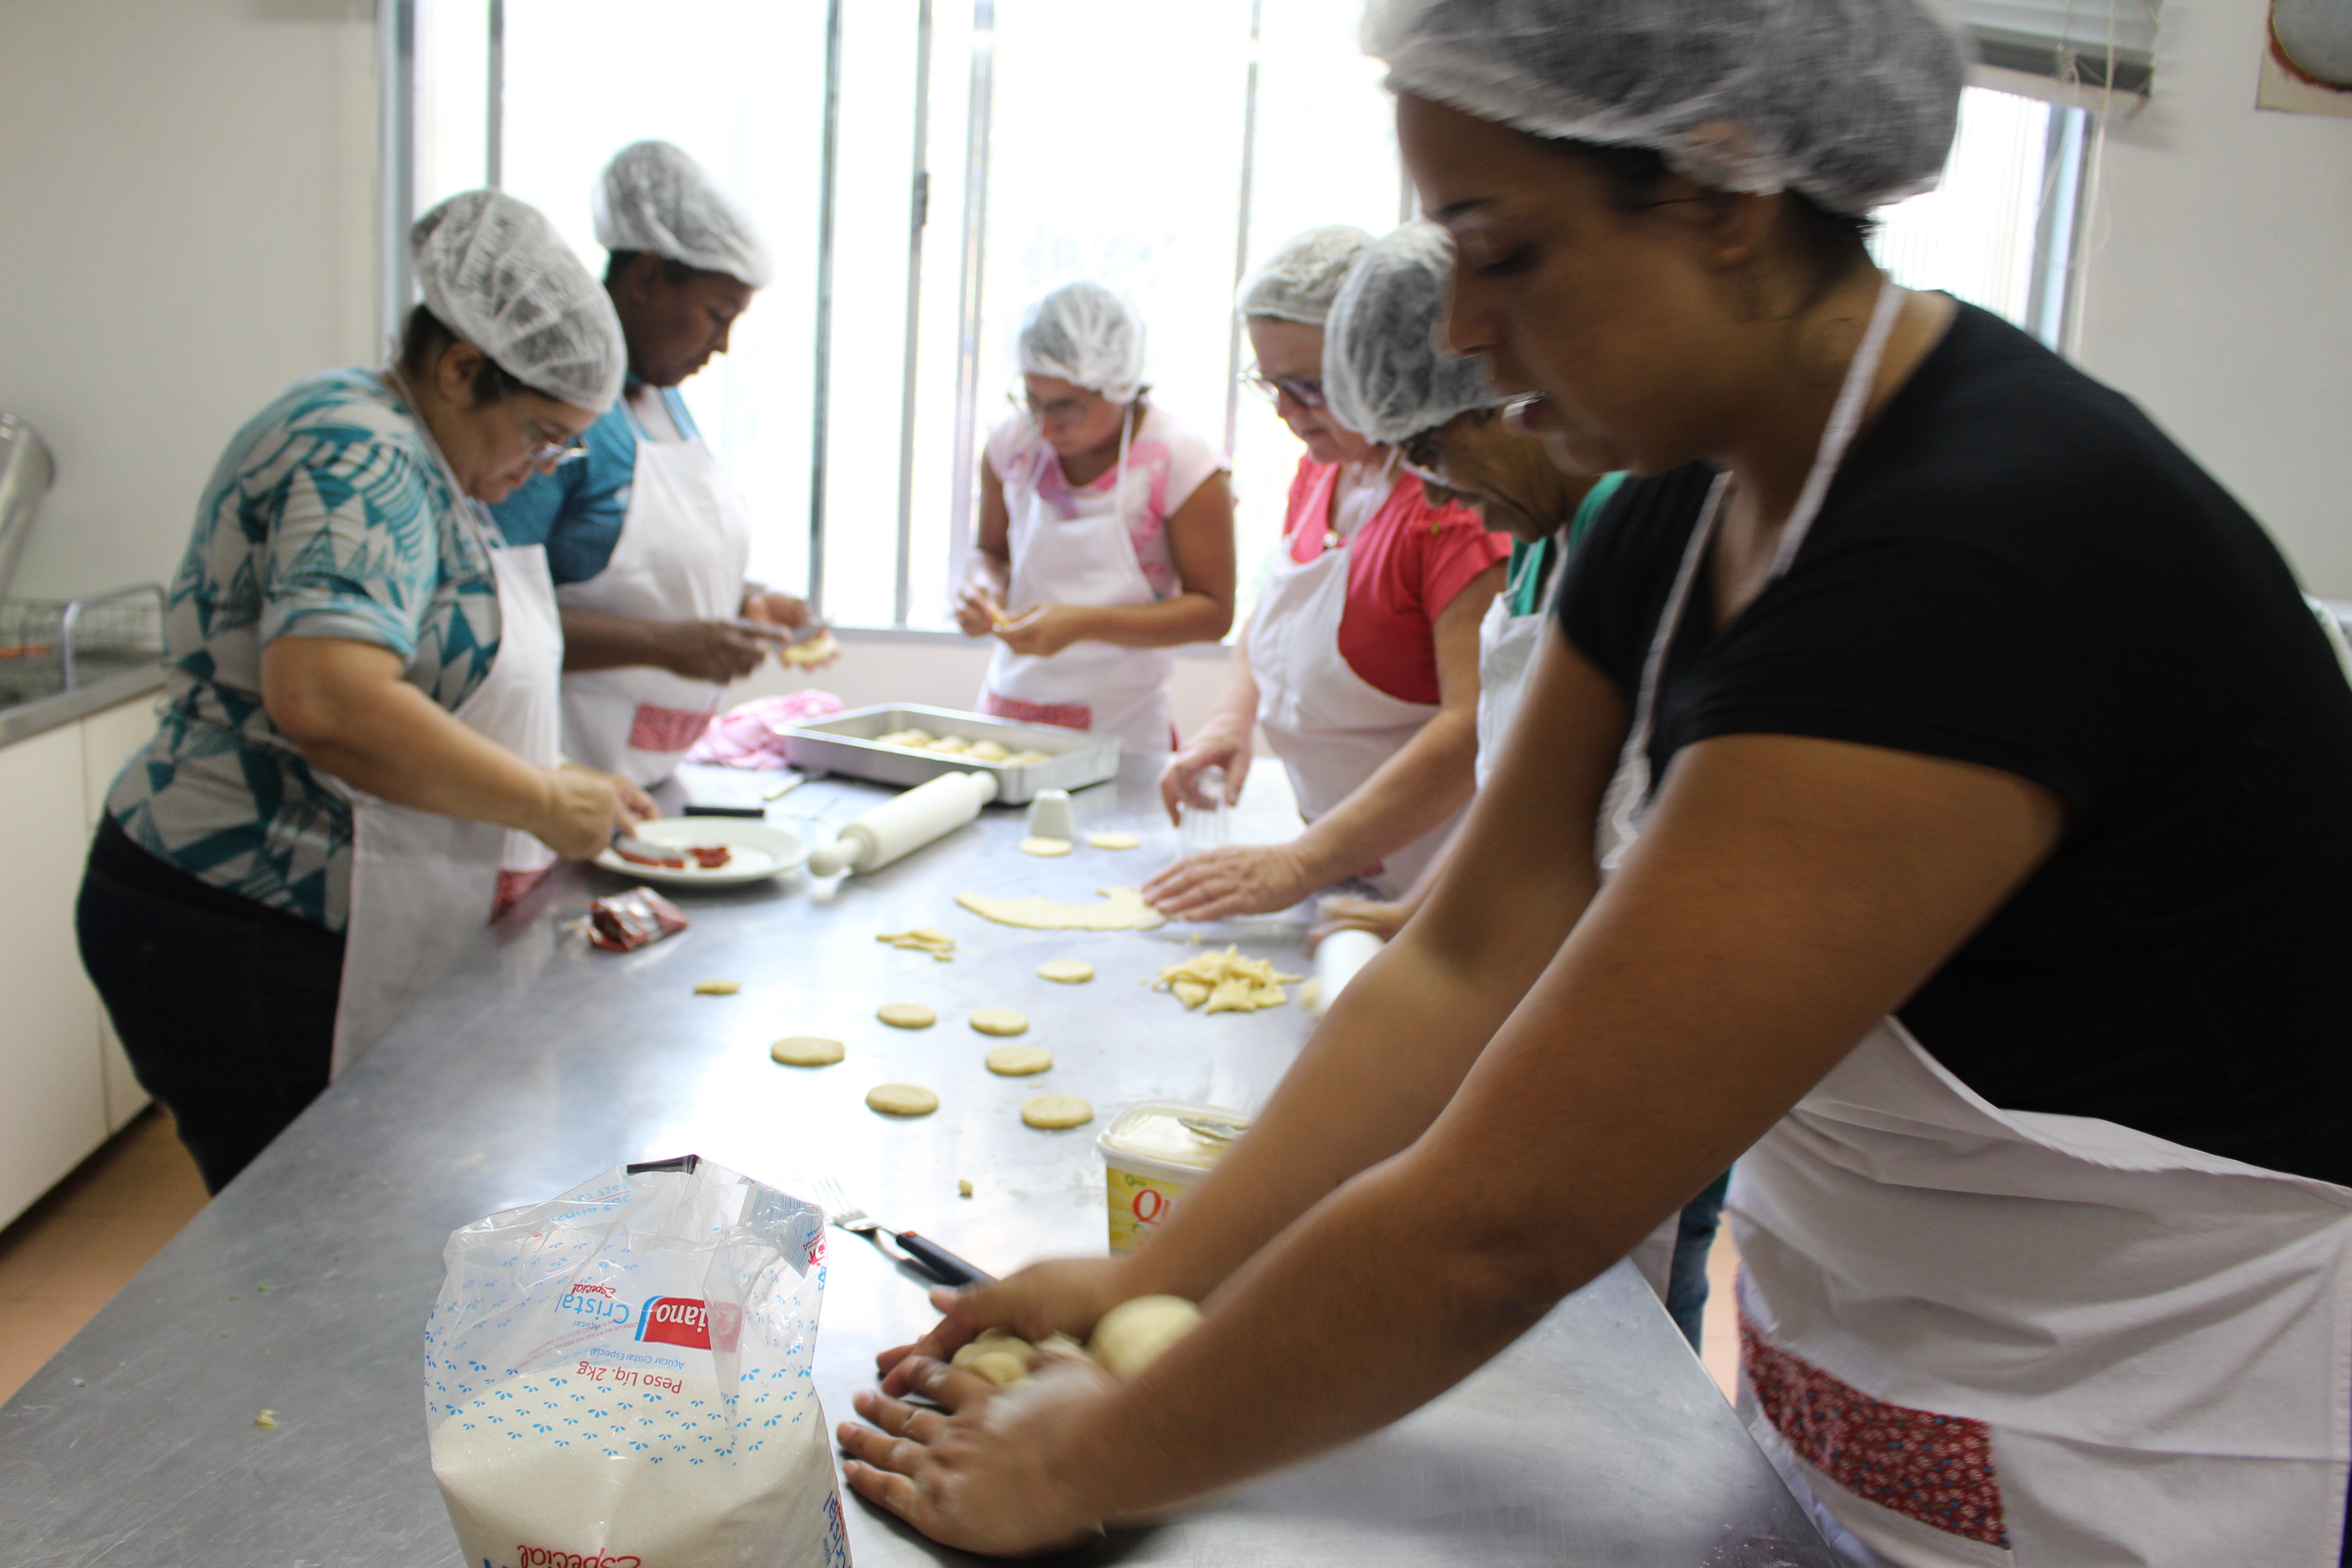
<point x="108" y="739"/>
<point x="52" y="1104"/>
<point x="65" y="1085"/>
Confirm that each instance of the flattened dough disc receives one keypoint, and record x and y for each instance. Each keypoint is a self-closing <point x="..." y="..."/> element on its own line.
<point x="1057" y="1111"/>
<point x="1019" y="1061"/>
<point x="716" y="988"/>
<point x="999" y="1021"/>
<point x="806" y="1051"/>
<point x="907" y="1014"/>
<point x="1045" y="847"/>
<point x="901" y="1100"/>
<point x="1113" y="840"/>
<point x="1069" y="970"/>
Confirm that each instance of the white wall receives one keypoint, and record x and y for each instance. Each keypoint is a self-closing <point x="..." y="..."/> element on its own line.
<point x="2219" y="290"/>
<point x="187" y="223"/>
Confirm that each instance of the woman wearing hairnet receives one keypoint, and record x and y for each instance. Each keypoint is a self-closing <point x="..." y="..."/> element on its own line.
<point x="648" y="541"/>
<point x="1985" y="898"/>
<point x="1106" y="533"/>
<point x="1383" y="370"/>
<point x="1362" y="658"/>
<point x="358" y="722"/>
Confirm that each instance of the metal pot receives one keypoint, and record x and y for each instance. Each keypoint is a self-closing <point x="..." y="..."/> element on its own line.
<point x="26" y="472"/>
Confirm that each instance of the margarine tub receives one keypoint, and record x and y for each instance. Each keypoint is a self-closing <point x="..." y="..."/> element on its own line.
<point x="1150" y="1157"/>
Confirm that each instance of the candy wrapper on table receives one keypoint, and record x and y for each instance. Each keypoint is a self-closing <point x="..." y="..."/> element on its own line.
<point x="633" y="920"/>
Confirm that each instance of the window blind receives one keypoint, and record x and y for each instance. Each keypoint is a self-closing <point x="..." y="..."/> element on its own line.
<point x="2099" y="44"/>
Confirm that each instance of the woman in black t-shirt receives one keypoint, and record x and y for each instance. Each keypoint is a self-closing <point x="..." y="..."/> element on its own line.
<point x="1988" y="904"/>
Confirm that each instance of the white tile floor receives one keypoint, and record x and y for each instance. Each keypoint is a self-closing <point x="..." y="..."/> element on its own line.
<point x="66" y="1255"/>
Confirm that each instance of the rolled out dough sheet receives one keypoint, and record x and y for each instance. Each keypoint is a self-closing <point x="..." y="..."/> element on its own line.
<point x="1123" y="909"/>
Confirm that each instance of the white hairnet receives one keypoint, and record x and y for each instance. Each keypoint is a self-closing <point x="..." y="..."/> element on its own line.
<point x="498" y="276"/>
<point x="1088" y="335"/>
<point x="652" y="196"/>
<point x="1383" y="370"/>
<point x="1298" y="282"/>
<point x="1853" y="102"/>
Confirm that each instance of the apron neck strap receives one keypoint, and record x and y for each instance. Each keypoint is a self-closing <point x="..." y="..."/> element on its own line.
<point x="1845" y="418"/>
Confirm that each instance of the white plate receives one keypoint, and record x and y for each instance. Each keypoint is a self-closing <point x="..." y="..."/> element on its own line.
<point x="760" y="851"/>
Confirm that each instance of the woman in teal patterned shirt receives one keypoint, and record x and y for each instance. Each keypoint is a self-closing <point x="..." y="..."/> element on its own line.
<point x="339" y="602"/>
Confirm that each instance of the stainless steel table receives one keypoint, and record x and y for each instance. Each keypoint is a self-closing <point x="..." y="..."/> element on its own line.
<point x="303" y="1289"/>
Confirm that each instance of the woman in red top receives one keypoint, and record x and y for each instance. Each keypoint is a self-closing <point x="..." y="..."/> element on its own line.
<point x="1362" y="658"/>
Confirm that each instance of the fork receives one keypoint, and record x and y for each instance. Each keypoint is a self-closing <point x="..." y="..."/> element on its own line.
<point x="930" y="1257"/>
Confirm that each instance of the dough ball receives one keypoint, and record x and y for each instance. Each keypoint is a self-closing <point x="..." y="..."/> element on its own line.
<point x="950" y="746"/>
<point x="1069" y="970"/>
<point x="1045" y="847"/>
<point x="806" y="1051"/>
<point x="963" y="1186"/>
<point x="1028" y="759"/>
<point x="1019" y="1061"/>
<point x="999" y="1021"/>
<point x="1133" y="1334"/>
<point x="907" y="1014"/>
<point x="716" y="988"/>
<point x="901" y="1100"/>
<point x="1114" y="840"/>
<point x="1056" y="1111"/>
<point x="1000" y="1357"/>
<point x="816" y="650"/>
<point x="988" y="751"/>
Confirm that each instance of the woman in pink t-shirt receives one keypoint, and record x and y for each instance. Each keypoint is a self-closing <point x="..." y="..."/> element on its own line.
<point x="1361" y="658"/>
<point x="1105" y="533"/>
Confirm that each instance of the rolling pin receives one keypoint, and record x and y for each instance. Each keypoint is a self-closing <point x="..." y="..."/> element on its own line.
<point x="929" y="811"/>
<point x="1337" y="962"/>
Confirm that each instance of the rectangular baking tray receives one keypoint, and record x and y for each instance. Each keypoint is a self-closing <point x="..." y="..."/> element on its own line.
<point x="844" y="744"/>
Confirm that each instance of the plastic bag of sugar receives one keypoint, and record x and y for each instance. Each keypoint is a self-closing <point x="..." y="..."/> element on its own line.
<point x="622" y="1375"/>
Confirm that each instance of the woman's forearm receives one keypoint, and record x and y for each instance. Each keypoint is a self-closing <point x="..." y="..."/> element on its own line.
<point x="1430" y="779"/>
<point x="1382" y="1263"/>
<point x="1379" y="1069"/>
<point x="1188" y="617"/>
<point x="345" y="709"/>
<point x="595" y="640"/>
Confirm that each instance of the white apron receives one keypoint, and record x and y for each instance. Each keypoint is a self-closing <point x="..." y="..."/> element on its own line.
<point x="1083" y="560"/>
<point x="424" y="886"/>
<point x="1973" y="1336"/>
<point x="684" y="545"/>
<point x="1332" y="728"/>
<point x="1507" y="651"/>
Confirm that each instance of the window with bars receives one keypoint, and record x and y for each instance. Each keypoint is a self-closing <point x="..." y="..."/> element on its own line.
<point x="925" y="169"/>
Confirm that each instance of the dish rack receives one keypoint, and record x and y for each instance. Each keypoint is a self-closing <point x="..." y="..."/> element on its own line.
<point x="57" y="642"/>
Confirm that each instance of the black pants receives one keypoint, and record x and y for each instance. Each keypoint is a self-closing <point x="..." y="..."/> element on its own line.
<point x="226" y="1007"/>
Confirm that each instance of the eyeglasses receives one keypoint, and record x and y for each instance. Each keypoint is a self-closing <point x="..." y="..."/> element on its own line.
<point x="1060" y="412"/>
<point x="554" y="454"/>
<point x="551" y="451"/>
<point x="1305" y="390"/>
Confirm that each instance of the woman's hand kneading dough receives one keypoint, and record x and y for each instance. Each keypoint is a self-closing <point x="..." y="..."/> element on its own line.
<point x="983" y="1475"/>
<point x="1060" y="1296"/>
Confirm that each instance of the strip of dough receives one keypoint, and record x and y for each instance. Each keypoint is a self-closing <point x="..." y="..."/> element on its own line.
<point x="1123" y="908"/>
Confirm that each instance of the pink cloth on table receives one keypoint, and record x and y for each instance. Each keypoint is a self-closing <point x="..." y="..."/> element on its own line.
<point x="746" y="737"/>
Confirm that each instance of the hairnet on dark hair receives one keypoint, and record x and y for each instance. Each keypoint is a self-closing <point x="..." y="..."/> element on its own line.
<point x="1853" y="102"/>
